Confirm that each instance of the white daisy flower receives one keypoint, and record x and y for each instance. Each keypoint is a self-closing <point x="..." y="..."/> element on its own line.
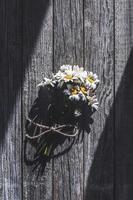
<point x="76" y="74"/>
<point x="92" y="80"/>
<point x="66" y="74"/>
<point x="72" y="92"/>
<point x="69" y="76"/>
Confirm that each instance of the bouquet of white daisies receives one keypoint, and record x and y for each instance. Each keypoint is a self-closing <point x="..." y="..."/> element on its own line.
<point x="62" y="110"/>
<point x="76" y="83"/>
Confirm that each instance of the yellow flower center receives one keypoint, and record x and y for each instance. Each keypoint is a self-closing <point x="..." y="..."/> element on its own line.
<point x="74" y="91"/>
<point x="68" y="77"/>
<point x="83" y="89"/>
<point x="90" y="79"/>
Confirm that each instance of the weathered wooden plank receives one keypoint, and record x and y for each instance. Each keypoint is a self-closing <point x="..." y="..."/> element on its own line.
<point x="37" y="58"/>
<point x="124" y="99"/>
<point x="99" y="56"/>
<point x="68" y="49"/>
<point x="10" y="100"/>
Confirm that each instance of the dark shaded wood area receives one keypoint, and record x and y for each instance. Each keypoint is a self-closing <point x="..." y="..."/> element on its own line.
<point x="36" y="37"/>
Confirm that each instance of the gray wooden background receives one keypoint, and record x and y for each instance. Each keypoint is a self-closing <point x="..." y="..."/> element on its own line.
<point x="37" y="37"/>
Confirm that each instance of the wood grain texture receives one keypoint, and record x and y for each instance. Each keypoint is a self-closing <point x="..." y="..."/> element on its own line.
<point x="124" y="99"/>
<point x="37" y="60"/>
<point x="38" y="37"/>
<point x="68" y="49"/>
<point x="10" y="100"/>
<point x="99" y="56"/>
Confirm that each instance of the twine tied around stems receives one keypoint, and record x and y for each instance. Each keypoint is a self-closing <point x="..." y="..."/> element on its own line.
<point x="50" y="129"/>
